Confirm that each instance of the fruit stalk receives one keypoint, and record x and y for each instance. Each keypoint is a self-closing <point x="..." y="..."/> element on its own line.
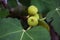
<point x="43" y="23"/>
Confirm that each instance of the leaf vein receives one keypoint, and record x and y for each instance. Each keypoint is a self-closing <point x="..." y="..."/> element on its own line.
<point x="10" y="33"/>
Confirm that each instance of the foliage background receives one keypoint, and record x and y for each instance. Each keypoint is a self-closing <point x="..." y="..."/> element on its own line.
<point x="12" y="29"/>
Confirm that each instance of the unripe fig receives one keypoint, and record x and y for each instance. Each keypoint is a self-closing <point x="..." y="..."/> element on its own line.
<point x="32" y="21"/>
<point x="32" y="10"/>
<point x="37" y="16"/>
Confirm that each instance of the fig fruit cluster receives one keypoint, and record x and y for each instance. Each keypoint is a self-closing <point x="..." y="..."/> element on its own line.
<point x="33" y="16"/>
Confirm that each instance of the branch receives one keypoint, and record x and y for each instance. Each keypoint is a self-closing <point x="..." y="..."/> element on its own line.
<point x="14" y="12"/>
<point x="54" y="35"/>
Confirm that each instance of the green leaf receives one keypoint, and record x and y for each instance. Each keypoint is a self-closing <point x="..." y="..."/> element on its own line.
<point x="37" y="33"/>
<point x="41" y="5"/>
<point x="12" y="3"/>
<point x="52" y="4"/>
<point x="3" y="12"/>
<point x="11" y="29"/>
<point x="45" y="6"/>
<point x="55" y="16"/>
<point x="25" y="2"/>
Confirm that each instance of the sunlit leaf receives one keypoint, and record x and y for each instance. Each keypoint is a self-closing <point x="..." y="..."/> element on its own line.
<point x="55" y="16"/>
